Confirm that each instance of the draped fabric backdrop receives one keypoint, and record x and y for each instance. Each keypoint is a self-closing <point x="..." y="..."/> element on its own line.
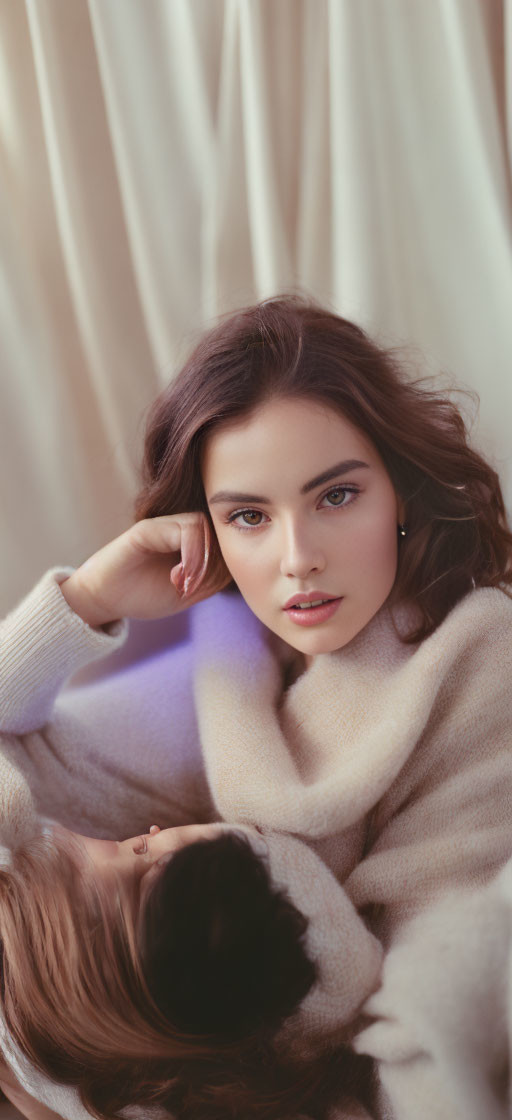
<point x="166" y="160"/>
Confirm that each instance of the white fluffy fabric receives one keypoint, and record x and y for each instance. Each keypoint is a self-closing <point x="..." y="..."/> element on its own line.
<point x="441" y="1026"/>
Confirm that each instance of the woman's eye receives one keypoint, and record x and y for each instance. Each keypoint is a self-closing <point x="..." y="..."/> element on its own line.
<point x="337" y="496"/>
<point x="251" y="518"/>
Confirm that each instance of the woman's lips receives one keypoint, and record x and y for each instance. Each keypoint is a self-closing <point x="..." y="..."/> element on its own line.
<point x="308" y="597"/>
<point x="313" y="616"/>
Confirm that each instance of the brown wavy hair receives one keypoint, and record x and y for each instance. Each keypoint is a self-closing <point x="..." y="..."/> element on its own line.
<point x="75" y="1001"/>
<point x="457" y="533"/>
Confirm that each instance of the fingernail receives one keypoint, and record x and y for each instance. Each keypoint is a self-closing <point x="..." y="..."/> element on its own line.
<point x="178" y="579"/>
<point x="193" y="579"/>
<point x="205" y="561"/>
<point x="206" y="549"/>
<point x="191" y="583"/>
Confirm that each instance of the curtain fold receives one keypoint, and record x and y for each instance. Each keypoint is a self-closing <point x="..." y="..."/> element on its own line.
<point x="163" y="161"/>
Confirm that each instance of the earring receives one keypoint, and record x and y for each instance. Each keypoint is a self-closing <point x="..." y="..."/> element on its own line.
<point x="402" y="530"/>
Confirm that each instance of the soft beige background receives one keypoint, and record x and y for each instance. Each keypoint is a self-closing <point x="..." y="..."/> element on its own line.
<point x="164" y="160"/>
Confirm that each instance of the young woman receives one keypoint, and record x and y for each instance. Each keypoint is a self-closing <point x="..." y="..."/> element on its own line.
<point x="356" y="693"/>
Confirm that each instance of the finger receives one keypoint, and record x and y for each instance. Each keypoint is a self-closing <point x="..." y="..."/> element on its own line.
<point x="216" y="575"/>
<point x="194" y="554"/>
<point x="178" y="577"/>
<point x="156" y="534"/>
<point x="191" y="585"/>
<point x="154" y="828"/>
<point x="207" y="547"/>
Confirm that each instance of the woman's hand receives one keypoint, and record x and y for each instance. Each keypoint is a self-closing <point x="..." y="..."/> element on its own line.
<point x="156" y="568"/>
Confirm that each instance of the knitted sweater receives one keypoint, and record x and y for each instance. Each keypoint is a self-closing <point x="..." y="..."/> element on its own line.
<point x="392" y="762"/>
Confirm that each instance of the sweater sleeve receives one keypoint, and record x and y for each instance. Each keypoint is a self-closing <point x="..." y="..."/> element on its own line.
<point x="42" y="642"/>
<point x="109" y="757"/>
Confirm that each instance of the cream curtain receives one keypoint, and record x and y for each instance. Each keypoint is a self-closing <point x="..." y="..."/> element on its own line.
<point x="165" y="160"/>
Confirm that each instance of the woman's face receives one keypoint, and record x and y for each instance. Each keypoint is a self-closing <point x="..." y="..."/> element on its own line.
<point x="304" y="509"/>
<point x="143" y="856"/>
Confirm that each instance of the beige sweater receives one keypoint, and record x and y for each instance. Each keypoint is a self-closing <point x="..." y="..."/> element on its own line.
<point x="395" y="764"/>
<point x="392" y="762"/>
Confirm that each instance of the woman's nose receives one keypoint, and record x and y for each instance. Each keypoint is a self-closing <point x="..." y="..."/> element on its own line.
<point x="300" y="554"/>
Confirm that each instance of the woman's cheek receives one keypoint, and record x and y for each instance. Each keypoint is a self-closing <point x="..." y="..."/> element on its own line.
<point x="232" y="553"/>
<point x="246" y="567"/>
<point x="226" y="549"/>
<point x="246" y="573"/>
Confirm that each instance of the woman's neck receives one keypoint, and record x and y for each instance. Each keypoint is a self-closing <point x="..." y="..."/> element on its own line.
<point x="296" y="666"/>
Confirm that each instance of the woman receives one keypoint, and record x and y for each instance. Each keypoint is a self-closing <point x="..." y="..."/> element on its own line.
<point x="292" y="457"/>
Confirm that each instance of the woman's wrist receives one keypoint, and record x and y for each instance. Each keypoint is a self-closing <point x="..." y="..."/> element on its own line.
<point x="83" y="604"/>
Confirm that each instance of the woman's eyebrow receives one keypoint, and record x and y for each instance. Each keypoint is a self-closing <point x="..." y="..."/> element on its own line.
<point x="332" y="472"/>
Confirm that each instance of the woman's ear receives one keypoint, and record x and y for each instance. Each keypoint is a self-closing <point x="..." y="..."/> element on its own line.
<point x="401" y="510"/>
